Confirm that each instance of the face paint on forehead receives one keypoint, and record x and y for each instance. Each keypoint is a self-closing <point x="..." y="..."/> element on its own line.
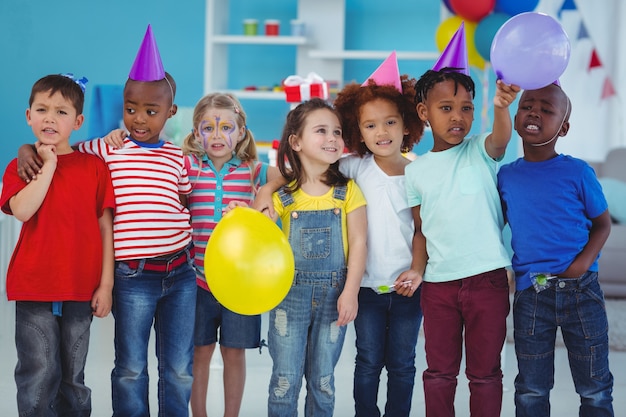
<point x="219" y="129"/>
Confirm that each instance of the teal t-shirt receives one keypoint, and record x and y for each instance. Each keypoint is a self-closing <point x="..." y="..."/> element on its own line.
<point x="460" y="210"/>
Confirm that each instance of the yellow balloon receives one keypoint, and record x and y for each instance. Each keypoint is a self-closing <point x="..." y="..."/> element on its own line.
<point x="248" y="263"/>
<point x="448" y="28"/>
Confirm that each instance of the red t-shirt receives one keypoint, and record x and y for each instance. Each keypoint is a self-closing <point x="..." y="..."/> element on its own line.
<point x="58" y="256"/>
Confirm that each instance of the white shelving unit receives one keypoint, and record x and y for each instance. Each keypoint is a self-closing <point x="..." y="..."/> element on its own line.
<point x="318" y="15"/>
<point x="321" y="50"/>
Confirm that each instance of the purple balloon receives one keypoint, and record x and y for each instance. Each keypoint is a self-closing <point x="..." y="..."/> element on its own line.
<point x="530" y="50"/>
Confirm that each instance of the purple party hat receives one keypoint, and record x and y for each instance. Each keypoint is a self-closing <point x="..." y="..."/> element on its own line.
<point x="387" y="73"/>
<point x="148" y="65"/>
<point x="455" y="53"/>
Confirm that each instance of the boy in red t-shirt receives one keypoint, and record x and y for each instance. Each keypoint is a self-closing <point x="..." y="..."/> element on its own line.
<point x="61" y="271"/>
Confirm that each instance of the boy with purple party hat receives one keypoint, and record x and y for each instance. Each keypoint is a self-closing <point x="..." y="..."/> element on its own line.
<point x="154" y="277"/>
<point x="457" y="246"/>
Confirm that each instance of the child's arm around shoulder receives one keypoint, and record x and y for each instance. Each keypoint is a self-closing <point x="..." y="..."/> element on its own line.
<point x="115" y="138"/>
<point x="500" y="136"/>
<point x="29" y="164"/>
<point x="348" y="304"/>
<point x="263" y="198"/>
<point x="27" y="202"/>
<point x="102" y="299"/>
<point x="598" y="234"/>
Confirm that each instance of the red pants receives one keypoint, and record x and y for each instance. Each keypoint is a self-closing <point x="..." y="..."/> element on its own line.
<point x="475" y="308"/>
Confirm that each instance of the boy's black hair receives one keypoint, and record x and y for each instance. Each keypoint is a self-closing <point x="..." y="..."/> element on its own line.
<point x="430" y="78"/>
<point x="68" y="88"/>
<point x="292" y="168"/>
<point x="169" y="80"/>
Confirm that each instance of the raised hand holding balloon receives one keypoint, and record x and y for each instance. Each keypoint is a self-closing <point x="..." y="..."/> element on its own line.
<point x="531" y="50"/>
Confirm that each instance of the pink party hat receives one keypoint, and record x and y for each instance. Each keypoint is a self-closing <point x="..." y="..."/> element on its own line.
<point x="387" y="73"/>
<point x="148" y="65"/>
<point x="455" y="54"/>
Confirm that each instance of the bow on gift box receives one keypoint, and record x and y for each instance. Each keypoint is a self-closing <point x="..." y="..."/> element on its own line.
<point x="298" y="89"/>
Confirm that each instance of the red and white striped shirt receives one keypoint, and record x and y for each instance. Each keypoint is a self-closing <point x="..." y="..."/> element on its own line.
<point x="147" y="179"/>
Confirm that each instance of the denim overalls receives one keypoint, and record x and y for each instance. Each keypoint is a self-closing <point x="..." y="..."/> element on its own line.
<point x="304" y="338"/>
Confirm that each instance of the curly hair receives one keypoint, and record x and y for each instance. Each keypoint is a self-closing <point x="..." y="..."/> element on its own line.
<point x="430" y="78"/>
<point x="353" y="96"/>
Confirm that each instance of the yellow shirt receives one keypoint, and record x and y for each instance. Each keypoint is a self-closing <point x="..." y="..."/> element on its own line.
<point x="305" y="202"/>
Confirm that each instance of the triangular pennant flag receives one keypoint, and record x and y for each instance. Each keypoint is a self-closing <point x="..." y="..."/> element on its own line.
<point x="607" y="88"/>
<point x="148" y="65"/>
<point x="582" y="31"/>
<point x="387" y="73"/>
<point x="595" y="60"/>
<point x="455" y="53"/>
<point x="567" y="5"/>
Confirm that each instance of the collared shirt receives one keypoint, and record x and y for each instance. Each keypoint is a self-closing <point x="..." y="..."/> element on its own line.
<point x="211" y="193"/>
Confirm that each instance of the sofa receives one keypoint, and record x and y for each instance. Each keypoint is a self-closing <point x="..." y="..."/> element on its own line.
<point x="612" y="175"/>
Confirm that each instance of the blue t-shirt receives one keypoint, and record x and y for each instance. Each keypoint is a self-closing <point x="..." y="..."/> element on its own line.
<point x="549" y="206"/>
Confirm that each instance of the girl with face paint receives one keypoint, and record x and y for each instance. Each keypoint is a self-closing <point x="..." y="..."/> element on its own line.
<point x="221" y="160"/>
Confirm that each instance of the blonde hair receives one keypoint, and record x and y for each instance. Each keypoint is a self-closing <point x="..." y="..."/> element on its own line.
<point x="245" y="150"/>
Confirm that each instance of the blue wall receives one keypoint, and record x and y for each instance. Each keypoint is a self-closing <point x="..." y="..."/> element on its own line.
<point x="99" y="40"/>
<point x="96" y="39"/>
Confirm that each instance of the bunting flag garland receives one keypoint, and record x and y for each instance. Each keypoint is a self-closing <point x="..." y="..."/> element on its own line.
<point x="607" y="89"/>
<point x="595" y="61"/>
<point x="567" y="5"/>
<point x="582" y="32"/>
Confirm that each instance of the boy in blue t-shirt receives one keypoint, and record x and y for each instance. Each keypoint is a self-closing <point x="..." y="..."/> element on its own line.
<point x="559" y="222"/>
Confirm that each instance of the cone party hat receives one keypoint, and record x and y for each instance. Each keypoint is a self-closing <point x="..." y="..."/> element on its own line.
<point x="387" y="73"/>
<point x="455" y="53"/>
<point x="148" y="65"/>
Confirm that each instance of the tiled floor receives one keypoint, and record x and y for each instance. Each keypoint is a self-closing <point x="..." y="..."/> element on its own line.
<point x="100" y="360"/>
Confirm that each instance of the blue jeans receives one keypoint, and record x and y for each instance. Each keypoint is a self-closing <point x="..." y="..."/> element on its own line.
<point x="141" y="298"/>
<point x="387" y="328"/>
<point x="577" y="306"/>
<point x="51" y="356"/>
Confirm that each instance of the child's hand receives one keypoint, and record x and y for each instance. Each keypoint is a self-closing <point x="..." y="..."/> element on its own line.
<point x="28" y="163"/>
<point x="407" y="283"/>
<point x="101" y="302"/>
<point x="505" y="94"/>
<point x="234" y="204"/>
<point x="47" y="153"/>
<point x="347" y="306"/>
<point x="263" y="202"/>
<point x="264" y="205"/>
<point x="115" y="138"/>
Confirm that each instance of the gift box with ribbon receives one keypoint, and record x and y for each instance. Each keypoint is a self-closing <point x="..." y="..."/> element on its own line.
<point x="299" y="89"/>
